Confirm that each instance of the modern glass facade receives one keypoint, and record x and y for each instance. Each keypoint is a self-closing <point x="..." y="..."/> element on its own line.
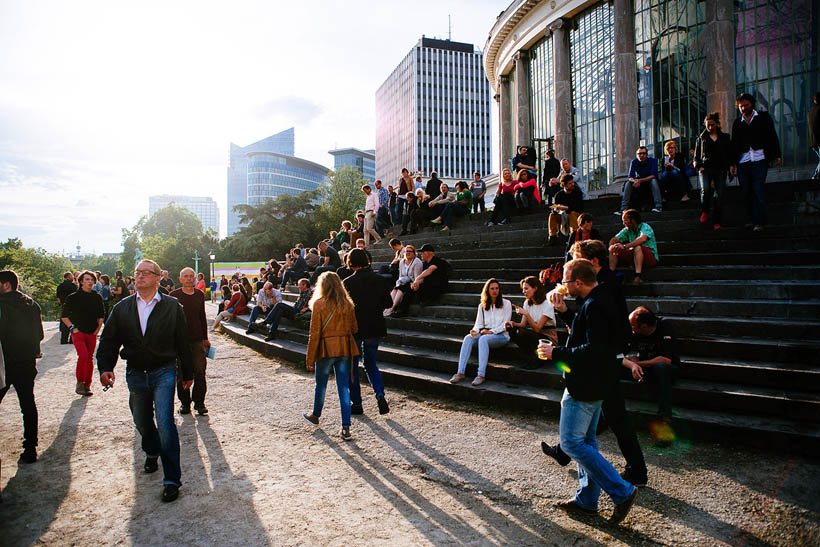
<point x="433" y="113"/>
<point x="593" y="84"/>
<point x="280" y="143"/>
<point x="671" y="68"/>
<point x="363" y="160"/>
<point x="270" y="175"/>
<point x="541" y="92"/>
<point x="776" y="60"/>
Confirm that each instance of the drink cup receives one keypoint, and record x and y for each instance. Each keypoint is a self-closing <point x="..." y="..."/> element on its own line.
<point x="538" y="352"/>
<point x="474" y="333"/>
<point x="562" y="290"/>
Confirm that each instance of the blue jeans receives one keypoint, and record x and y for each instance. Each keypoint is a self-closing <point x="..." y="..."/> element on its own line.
<point x="485" y="342"/>
<point x="452" y="210"/>
<point x="708" y="204"/>
<point x="398" y="211"/>
<point x="149" y="391"/>
<point x="341" y="368"/>
<point x="368" y="348"/>
<point x="752" y="178"/>
<point x="319" y="271"/>
<point x="673" y="183"/>
<point x="276" y="314"/>
<point x="256" y="312"/>
<point x="579" y="419"/>
<point x="629" y="190"/>
<point x="291" y="276"/>
<point x="816" y="174"/>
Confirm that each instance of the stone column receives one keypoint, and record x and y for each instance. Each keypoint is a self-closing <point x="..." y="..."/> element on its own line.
<point x="562" y="84"/>
<point x="718" y="39"/>
<point x="523" y="135"/>
<point x="504" y="126"/>
<point x="626" y="88"/>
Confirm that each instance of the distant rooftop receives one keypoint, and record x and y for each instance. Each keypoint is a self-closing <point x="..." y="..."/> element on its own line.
<point x="446" y="44"/>
<point x="369" y="153"/>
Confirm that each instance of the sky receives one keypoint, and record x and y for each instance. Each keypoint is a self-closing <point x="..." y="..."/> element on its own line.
<point x="103" y="104"/>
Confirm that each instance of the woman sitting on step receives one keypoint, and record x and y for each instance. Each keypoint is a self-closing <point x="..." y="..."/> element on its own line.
<point x="409" y="269"/>
<point x="489" y="331"/>
<point x="537" y="321"/>
<point x="237" y="305"/>
<point x="504" y="202"/>
<point x="526" y="191"/>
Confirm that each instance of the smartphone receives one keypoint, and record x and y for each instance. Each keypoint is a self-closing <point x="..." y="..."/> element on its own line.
<point x="210" y="353"/>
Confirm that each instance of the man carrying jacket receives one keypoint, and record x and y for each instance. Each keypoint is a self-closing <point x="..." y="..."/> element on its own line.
<point x="151" y="330"/>
<point x="21" y="330"/>
<point x="63" y="290"/>
<point x="371" y="297"/>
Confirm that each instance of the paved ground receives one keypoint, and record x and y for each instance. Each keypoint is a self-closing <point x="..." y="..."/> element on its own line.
<point x="431" y="472"/>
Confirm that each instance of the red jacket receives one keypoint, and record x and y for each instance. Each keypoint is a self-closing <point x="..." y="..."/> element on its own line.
<point x="238" y="303"/>
<point x="530" y="184"/>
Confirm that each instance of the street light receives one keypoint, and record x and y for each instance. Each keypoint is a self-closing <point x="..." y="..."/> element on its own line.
<point x="212" y="256"/>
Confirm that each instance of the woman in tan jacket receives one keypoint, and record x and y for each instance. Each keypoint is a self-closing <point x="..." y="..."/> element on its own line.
<point x="331" y="345"/>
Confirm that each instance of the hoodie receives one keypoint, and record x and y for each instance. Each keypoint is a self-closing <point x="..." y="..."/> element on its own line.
<point x="21" y="329"/>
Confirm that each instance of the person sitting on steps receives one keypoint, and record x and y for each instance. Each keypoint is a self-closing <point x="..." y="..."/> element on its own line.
<point x="537" y="321"/>
<point x="634" y="245"/>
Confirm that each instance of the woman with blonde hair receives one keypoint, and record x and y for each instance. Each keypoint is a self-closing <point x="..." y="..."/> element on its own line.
<point x="331" y="345"/>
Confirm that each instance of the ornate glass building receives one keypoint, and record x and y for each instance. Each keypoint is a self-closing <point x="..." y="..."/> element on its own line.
<point x="363" y="160"/>
<point x="596" y="79"/>
<point x="271" y="174"/>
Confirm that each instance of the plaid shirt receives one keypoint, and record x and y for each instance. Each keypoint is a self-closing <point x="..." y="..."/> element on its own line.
<point x="384" y="197"/>
<point x="304" y="298"/>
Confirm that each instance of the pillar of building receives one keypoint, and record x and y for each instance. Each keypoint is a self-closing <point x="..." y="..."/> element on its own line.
<point x="562" y="83"/>
<point x="626" y="88"/>
<point x="504" y="122"/>
<point x="523" y="134"/>
<point x="718" y="38"/>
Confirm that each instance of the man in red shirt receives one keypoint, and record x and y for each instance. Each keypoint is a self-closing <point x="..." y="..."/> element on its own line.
<point x="193" y="304"/>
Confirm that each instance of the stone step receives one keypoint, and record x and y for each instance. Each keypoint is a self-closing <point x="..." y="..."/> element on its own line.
<point x="544" y="397"/>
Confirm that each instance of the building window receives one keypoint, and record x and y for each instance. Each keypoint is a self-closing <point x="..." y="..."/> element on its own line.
<point x="671" y="71"/>
<point x="593" y="82"/>
<point x="776" y="61"/>
<point x="542" y="92"/>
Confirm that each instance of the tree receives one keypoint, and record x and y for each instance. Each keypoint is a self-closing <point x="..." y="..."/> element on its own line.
<point x="341" y="197"/>
<point x="104" y="264"/>
<point x="38" y="271"/>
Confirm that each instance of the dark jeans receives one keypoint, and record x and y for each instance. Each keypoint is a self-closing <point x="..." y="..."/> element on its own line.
<point x="816" y="174"/>
<point x="397" y="213"/>
<point x="752" y="178"/>
<point x="200" y="363"/>
<point x="255" y="313"/>
<point x="504" y="207"/>
<point x="383" y="219"/>
<point x="430" y="290"/>
<point x="291" y="276"/>
<point x="478" y="204"/>
<point x="319" y="271"/>
<point x="21" y="376"/>
<point x="149" y="391"/>
<point x="341" y="369"/>
<point x="674" y="184"/>
<point x="524" y="199"/>
<point x="65" y="334"/>
<point x="712" y="205"/>
<point x="664" y="376"/>
<point x="452" y="210"/>
<point x="276" y="314"/>
<point x="550" y="191"/>
<point x="368" y="348"/>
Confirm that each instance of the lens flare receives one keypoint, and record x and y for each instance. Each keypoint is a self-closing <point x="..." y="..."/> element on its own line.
<point x="563" y="367"/>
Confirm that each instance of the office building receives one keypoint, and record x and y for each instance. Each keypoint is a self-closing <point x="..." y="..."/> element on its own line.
<point x="363" y="160"/>
<point x="280" y="143"/>
<point x="596" y="79"/>
<point x="271" y="174"/>
<point x="433" y="113"/>
<point x="205" y="208"/>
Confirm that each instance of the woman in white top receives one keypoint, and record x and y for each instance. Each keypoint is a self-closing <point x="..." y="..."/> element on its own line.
<point x="489" y="331"/>
<point x="409" y="270"/>
<point x="537" y="321"/>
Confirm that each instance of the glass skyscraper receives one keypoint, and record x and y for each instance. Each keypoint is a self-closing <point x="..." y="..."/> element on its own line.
<point x="281" y="143"/>
<point x="433" y="113"/>
<point x="270" y="175"/>
<point x="363" y="160"/>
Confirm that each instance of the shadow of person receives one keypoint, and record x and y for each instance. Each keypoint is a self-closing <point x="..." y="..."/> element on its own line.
<point x="43" y="485"/>
<point x="214" y="506"/>
<point x="525" y="528"/>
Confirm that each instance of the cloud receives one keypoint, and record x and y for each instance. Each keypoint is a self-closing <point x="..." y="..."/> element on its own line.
<point x="292" y="110"/>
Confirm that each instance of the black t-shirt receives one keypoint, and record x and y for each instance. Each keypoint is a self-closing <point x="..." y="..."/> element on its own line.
<point x="333" y="254"/>
<point x="572" y="200"/>
<point x="659" y="343"/>
<point x="167" y="283"/>
<point x="442" y="271"/>
<point x="83" y="309"/>
<point x="124" y="291"/>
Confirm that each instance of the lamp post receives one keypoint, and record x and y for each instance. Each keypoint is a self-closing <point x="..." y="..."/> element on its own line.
<point x="212" y="256"/>
<point x="197" y="258"/>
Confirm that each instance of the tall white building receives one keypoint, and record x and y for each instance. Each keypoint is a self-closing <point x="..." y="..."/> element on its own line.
<point x="204" y="208"/>
<point x="433" y="113"/>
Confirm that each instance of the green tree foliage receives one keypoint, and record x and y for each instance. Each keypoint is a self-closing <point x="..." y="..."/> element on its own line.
<point x="170" y="237"/>
<point x="341" y="197"/>
<point x="104" y="264"/>
<point x="39" y="273"/>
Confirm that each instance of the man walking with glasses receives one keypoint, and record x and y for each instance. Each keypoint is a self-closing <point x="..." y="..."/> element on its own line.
<point x="150" y="328"/>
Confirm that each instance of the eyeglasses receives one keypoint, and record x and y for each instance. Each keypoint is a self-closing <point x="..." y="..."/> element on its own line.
<point x="138" y="273"/>
<point x="568" y="281"/>
<point x="409" y="251"/>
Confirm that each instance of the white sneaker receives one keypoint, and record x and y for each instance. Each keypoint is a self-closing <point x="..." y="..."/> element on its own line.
<point x="656" y="210"/>
<point x="685" y="198"/>
<point x="456" y="378"/>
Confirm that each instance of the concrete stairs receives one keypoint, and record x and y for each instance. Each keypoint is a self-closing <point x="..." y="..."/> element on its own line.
<point x="744" y="305"/>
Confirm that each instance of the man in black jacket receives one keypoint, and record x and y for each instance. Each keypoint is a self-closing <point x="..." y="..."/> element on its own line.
<point x="588" y="372"/>
<point x="755" y="145"/>
<point x="21" y="330"/>
<point x="371" y="297"/>
<point x="63" y="290"/>
<point x="152" y="331"/>
<point x="613" y="407"/>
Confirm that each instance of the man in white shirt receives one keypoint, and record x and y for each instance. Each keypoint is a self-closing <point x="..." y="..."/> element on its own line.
<point x="371" y="207"/>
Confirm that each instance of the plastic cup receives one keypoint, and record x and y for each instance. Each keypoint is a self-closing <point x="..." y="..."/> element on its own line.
<point x="542" y="356"/>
